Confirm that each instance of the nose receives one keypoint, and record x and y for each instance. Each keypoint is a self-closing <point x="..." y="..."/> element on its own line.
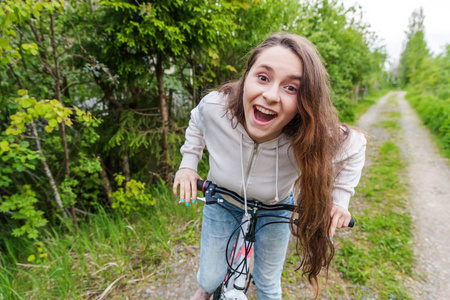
<point x="271" y="94"/>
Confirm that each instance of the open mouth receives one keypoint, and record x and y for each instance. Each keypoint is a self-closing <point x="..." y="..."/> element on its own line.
<point x="263" y="115"/>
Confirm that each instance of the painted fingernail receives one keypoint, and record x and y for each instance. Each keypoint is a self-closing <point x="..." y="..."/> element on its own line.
<point x="176" y="196"/>
<point x="182" y="200"/>
<point x="193" y="201"/>
<point x="331" y="240"/>
<point x="187" y="203"/>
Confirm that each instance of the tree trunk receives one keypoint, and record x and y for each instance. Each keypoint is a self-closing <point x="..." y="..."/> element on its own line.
<point x="106" y="183"/>
<point x="170" y="104"/>
<point x="57" y="80"/>
<point x="164" y="117"/>
<point x="47" y="171"/>
<point x="357" y="87"/>
<point x="194" y="88"/>
<point x="125" y="169"/>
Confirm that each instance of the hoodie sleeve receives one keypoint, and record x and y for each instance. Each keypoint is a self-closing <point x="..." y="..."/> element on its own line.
<point x="348" y="165"/>
<point x="194" y="144"/>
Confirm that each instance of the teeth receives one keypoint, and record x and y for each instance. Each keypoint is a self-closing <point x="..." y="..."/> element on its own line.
<point x="265" y="111"/>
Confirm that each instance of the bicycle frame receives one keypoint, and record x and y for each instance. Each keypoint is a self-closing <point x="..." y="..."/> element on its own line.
<point x="238" y="277"/>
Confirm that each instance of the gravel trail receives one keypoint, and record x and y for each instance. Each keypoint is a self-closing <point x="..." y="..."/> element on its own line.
<point x="429" y="181"/>
<point x="429" y="199"/>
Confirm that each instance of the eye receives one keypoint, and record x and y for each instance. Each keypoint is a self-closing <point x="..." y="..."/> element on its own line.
<point x="291" y="88"/>
<point x="263" y="78"/>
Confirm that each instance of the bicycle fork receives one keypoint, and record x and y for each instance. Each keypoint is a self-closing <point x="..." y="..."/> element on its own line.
<point x="240" y="259"/>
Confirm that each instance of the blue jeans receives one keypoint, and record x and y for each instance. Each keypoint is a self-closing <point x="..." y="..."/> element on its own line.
<point x="269" y="249"/>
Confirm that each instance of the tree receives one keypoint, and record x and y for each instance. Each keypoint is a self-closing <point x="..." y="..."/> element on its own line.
<point x="415" y="49"/>
<point x="147" y="37"/>
<point x="32" y="42"/>
<point x="344" y="44"/>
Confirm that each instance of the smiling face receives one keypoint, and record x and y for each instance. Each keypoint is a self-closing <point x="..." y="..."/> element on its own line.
<point x="270" y="93"/>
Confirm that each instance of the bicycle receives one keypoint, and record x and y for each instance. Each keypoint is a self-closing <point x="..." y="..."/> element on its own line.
<point x="239" y="276"/>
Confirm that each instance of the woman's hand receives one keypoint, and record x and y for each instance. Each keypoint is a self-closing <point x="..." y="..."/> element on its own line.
<point x="340" y="217"/>
<point x="187" y="180"/>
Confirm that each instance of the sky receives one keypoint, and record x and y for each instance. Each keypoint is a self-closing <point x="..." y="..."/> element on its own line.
<point x="390" y="18"/>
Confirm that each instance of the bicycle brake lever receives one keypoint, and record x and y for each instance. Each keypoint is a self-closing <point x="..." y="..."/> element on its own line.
<point x="201" y="199"/>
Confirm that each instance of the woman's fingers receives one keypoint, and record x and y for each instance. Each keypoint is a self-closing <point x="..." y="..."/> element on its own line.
<point x="187" y="192"/>
<point x="194" y="190"/>
<point x="333" y="225"/>
<point x="340" y="217"/>
<point x="186" y="179"/>
<point x="176" y="183"/>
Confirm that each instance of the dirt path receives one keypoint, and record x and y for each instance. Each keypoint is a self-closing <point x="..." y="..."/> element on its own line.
<point x="429" y="181"/>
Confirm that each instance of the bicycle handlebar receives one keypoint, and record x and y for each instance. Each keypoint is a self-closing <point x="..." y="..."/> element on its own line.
<point x="209" y="189"/>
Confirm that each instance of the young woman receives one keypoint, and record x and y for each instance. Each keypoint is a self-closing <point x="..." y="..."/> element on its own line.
<point x="273" y="136"/>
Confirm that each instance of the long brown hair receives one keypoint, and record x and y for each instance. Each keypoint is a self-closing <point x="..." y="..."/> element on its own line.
<point x="316" y="138"/>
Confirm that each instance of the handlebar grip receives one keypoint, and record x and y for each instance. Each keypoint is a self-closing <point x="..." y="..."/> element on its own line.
<point x="351" y="223"/>
<point x="200" y="184"/>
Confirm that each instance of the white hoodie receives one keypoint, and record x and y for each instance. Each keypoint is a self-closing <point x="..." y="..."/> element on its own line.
<point x="266" y="171"/>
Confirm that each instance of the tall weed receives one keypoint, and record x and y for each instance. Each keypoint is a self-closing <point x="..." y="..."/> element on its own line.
<point x="109" y="246"/>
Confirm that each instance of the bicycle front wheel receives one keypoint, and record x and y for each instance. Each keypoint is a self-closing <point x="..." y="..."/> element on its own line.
<point x="218" y="293"/>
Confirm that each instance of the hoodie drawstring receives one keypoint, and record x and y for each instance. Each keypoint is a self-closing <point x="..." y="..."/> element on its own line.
<point x="243" y="178"/>
<point x="276" y="174"/>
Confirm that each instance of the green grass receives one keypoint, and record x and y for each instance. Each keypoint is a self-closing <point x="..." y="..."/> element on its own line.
<point x="363" y="105"/>
<point x="381" y="253"/>
<point x="378" y="255"/>
<point x="109" y="246"/>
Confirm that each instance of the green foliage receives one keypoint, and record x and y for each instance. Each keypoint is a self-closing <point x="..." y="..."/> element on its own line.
<point x="133" y="197"/>
<point x="40" y="255"/>
<point x="416" y="48"/>
<point x="435" y="114"/>
<point x="428" y="82"/>
<point x="96" y="257"/>
<point x="52" y="110"/>
<point x="344" y="43"/>
<point x="17" y="157"/>
<point x="21" y="207"/>
<point x="429" y="94"/>
<point x="16" y="12"/>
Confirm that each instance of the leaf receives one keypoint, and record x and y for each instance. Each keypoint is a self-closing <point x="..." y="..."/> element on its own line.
<point x="4" y="44"/>
<point x="27" y="102"/>
<point x="231" y="68"/>
<point x="36" y="13"/>
<point x="53" y="123"/>
<point x="48" y="128"/>
<point x="7" y="170"/>
<point x="24" y="144"/>
<point x="4" y="145"/>
<point x="31" y="258"/>
<point x="22" y="92"/>
<point x="5" y="60"/>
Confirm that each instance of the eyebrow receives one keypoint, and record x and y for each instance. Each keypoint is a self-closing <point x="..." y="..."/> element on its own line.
<point x="270" y="69"/>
